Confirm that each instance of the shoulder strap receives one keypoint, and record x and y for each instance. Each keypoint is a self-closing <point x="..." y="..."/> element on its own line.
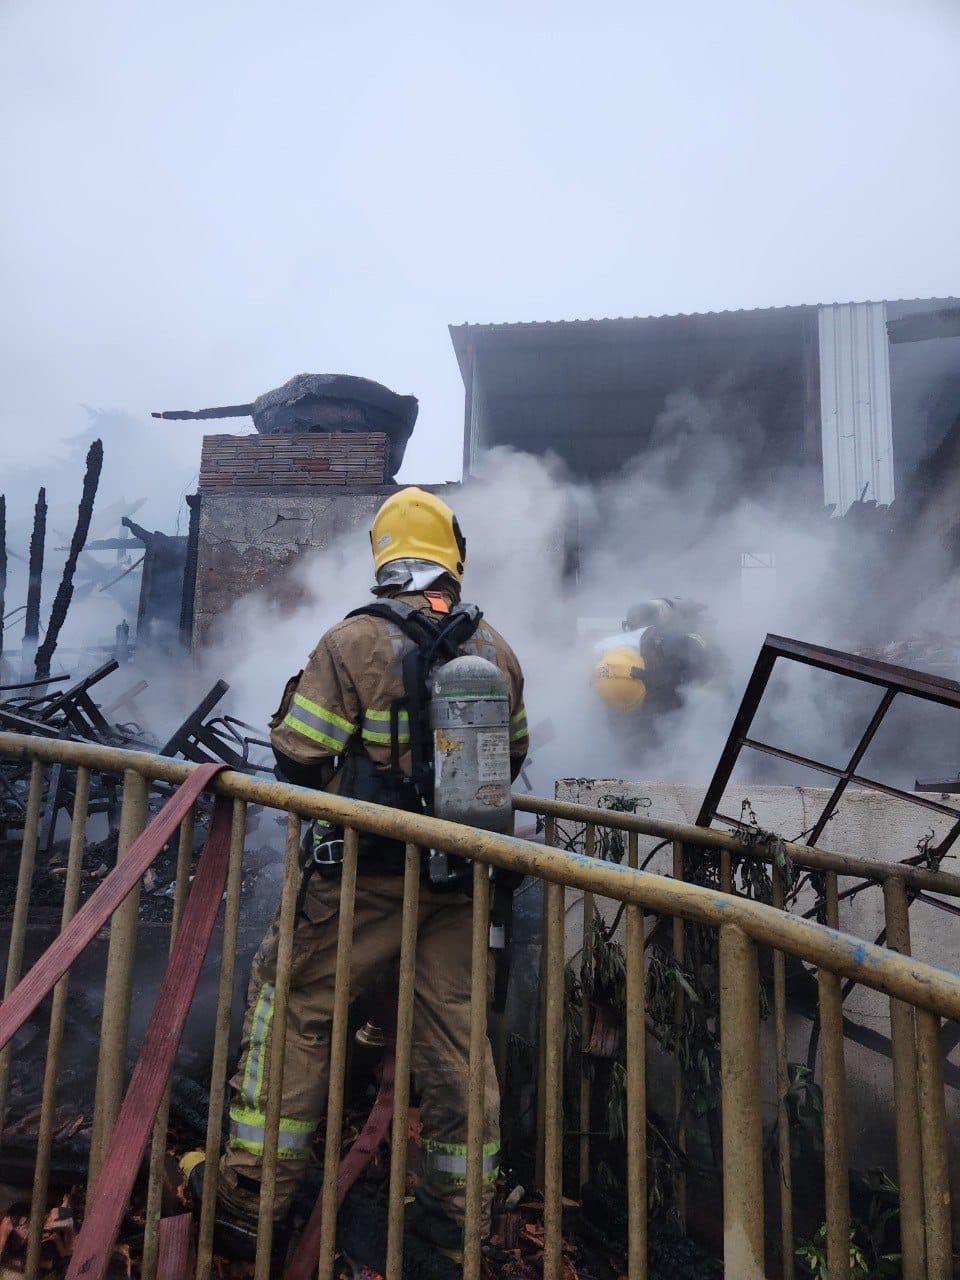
<point x="437" y="638"/>
<point x="434" y="640"/>
<point x="412" y="622"/>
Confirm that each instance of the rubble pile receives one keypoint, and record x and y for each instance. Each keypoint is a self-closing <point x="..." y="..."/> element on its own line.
<point x="42" y="708"/>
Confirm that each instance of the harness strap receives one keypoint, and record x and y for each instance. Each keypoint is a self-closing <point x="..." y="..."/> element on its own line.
<point x="434" y="639"/>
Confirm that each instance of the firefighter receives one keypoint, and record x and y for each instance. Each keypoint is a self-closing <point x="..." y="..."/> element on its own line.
<point x="659" y="654"/>
<point x="334" y="731"/>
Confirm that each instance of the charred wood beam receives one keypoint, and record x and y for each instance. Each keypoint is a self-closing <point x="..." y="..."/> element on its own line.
<point x="140" y="534"/>
<point x="189" y="591"/>
<point x="31" y="631"/>
<point x="61" y="603"/>
<point x="184" y="739"/>
<point x="110" y="544"/>
<point x="192" y="415"/>
<point x="68" y="701"/>
<point x="32" y="684"/>
<point x="105" y="586"/>
<point x="23" y="724"/>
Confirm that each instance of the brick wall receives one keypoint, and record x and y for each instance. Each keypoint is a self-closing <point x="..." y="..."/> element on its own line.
<point x="299" y="461"/>
<point x="264" y="501"/>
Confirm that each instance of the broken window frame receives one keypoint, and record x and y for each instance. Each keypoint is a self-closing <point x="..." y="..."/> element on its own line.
<point x="891" y="679"/>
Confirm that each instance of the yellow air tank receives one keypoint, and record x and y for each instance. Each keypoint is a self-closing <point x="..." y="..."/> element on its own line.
<point x="619" y="678"/>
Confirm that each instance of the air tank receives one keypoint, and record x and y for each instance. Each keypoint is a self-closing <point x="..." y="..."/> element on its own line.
<point x="470" y="719"/>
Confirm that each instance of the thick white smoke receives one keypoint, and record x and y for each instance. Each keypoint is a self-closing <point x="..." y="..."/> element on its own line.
<point x="555" y="563"/>
<point x="677" y="523"/>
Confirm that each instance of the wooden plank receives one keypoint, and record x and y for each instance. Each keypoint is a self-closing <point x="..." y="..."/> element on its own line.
<point x="111" y="1194"/>
<point x="176" y="1255"/>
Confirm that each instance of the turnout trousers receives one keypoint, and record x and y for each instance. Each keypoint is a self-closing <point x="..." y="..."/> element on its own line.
<point x="440" y="1051"/>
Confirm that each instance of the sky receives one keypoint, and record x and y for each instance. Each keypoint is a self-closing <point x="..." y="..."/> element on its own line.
<point x="201" y="200"/>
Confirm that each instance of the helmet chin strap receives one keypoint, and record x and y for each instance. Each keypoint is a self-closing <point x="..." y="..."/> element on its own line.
<point x="409" y="575"/>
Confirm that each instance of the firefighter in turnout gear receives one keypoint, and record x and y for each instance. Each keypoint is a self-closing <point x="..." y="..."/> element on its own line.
<point x="657" y="657"/>
<point x="349" y="723"/>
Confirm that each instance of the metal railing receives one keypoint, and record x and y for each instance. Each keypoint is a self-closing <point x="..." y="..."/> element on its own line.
<point x="921" y="1150"/>
<point x="920" y="996"/>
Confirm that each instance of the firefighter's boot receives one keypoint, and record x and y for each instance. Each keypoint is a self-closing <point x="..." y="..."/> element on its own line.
<point x="234" y="1234"/>
<point x="431" y="1251"/>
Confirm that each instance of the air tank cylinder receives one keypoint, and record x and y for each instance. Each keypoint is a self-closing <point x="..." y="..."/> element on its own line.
<point x="470" y="719"/>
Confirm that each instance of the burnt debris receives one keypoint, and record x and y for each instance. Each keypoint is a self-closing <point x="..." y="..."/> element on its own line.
<point x="61" y="603"/>
<point x="31" y="630"/>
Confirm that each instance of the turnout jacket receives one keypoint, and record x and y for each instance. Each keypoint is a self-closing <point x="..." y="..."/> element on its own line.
<point x="344" y="694"/>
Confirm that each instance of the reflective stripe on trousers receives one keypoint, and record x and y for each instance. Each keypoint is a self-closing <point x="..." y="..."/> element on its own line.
<point x="257" y="1048"/>
<point x="248" y="1131"/>
<point x="448" y="1160"/>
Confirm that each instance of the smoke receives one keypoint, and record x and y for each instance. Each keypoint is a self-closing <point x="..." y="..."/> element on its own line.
<point x="147" y="471"/>
<point x="555" y="564"/>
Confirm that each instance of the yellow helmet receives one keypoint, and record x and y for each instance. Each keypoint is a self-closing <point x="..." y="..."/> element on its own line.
<point x="618" y="678"/>
<point x="416" y="525"/>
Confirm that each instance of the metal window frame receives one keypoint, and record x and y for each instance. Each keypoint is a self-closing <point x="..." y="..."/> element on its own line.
<point x="892" y="679"/>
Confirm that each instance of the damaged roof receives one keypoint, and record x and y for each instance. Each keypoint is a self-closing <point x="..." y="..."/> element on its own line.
<point x="742" y="322"/>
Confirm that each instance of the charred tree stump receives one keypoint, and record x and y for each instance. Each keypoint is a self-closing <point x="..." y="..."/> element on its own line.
<point x="64" y="594"/>
<point x="31" y="629"/>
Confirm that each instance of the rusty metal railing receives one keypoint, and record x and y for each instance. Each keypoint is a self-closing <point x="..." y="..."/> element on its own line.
<point x="920" y="1144"/>
<point x="920" y="996"/>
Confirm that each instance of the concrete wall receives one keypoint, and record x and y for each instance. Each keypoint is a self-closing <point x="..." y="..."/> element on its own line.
<point x="249" y="538"/>
<point x="868" y="824"/>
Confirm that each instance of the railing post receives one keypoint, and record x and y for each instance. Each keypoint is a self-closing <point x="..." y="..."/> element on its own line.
<point x="401" y="1078"/>
<point x="549" y="839"/>
<point x="788" y="1262"/>
<point x="726" y="871"/>
<point x="553" y="1119"/>
<point x="338" y="1053"/>
<point x="740" y="1082"/>
<point x="636" y="1089"/>
<point x="679" y="1108"/>
<point x="21" y="910"/>
<point x="933" y="1137"/>
<point x="221" y="1039"/>
<point x="903" y="1034"/>
<point x="476" y="1070"/>
<point x="58" y="1020"/>
<point x="835" y="1161"/>
<point x="278" y="1041"/>
<point x="158" y="1146"/>
<point x="586" y="984"/>
<point x="118" y="985"/>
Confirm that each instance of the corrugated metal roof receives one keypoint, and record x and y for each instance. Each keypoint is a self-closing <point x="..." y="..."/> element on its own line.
<point x="695" y="315"/>
<point x="755" y="322"/>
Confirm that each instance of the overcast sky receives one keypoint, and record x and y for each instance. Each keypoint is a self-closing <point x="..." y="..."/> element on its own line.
<point x="202" y="199"/>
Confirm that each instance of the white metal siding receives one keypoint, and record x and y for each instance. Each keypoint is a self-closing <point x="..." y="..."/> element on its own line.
<point x="478" y="419"/>
<point x="855" y="411"/>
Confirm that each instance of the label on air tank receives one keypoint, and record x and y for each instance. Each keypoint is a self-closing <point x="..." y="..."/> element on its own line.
<point x="493" y="756"/>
